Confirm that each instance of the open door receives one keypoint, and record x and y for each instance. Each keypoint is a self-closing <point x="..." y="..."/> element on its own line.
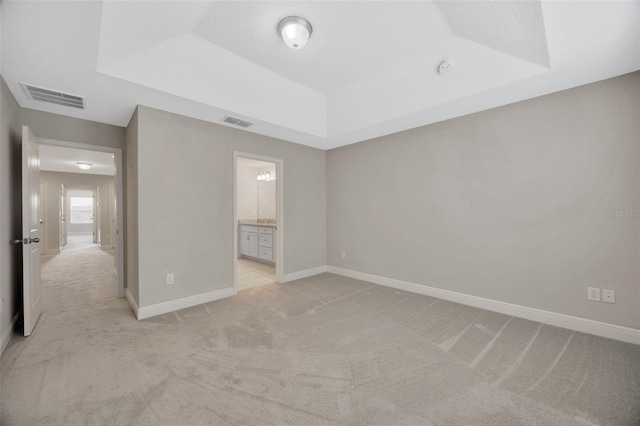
<point x="63" y="218"/>
<point x="31" y="287"/>
<point x="96" y="215"/>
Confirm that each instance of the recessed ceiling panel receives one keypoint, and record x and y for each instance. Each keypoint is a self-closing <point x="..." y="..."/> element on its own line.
<point x="193" y="68"/>
<point x="350" y="39"/>
<point x="513" y="27"/>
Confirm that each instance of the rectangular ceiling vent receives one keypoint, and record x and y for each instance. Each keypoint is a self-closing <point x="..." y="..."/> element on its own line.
<point x="236" y="121"/>
<point x="51" y="96"/>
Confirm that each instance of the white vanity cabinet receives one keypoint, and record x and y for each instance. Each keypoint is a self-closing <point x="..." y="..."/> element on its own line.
<point x="257" y="242"/>
<point x="249" y="242"/>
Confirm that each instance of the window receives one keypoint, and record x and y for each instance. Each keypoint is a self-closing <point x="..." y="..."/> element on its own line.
<point x="81" y="209"/>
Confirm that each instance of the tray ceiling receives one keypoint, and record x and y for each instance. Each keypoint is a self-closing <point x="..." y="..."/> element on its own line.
<point x="369" y="69"/>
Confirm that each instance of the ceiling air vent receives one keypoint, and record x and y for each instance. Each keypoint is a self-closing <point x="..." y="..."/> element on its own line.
<point x="53" y="97"/>
<point x="236" y="121"/>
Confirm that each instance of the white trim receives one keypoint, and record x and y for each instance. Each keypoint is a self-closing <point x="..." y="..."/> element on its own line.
<point x="279" y="260"/>
<point x="132" y="302"/>
<point x="119" y="187"/>
<point x="186" y="302"/>
<point x="8" y="334"/>
<point x="611" y="331"/>
<point x="304" y="273"/>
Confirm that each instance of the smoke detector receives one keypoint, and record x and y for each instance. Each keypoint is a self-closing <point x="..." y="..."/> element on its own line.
<point x="445" y="67"/>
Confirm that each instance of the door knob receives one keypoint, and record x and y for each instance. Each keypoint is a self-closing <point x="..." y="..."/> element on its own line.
<point x="34" y="240"/>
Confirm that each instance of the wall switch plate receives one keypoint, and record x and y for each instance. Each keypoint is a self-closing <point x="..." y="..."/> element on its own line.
<point x="608" y="296"/>
<point x="343" y="254"/>
<point x="170" y="280"/>
<point x="593" y="293"/>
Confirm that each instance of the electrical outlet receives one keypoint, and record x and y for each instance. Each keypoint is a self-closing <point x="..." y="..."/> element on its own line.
<point x="170" y="280"/>
<point x="593" y="293"/>
<point x="608" y="296"/>
<point x="343" y="254"/>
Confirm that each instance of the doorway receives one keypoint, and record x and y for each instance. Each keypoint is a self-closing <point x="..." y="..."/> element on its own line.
<point x="82" y="224"/>
<point x="82" y="267"/>
<point x="84" y="210"/>
<point x="257" y="222"/>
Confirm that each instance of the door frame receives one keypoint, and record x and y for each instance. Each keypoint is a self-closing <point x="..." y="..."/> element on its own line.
<point x="280" y="260"/>
<point x="67" y="208"/>
<point x="119" y="187"/>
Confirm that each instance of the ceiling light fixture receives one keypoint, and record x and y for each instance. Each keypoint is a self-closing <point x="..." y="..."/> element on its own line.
<point x="84" y="166"/>
<point x="295" y="31"/>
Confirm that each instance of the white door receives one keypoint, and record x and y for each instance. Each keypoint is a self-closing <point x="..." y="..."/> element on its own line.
<point x="112" y="216"/>
<point x="63" y="218"/>
<point x="96" y="216"/>
<point x="31" y="283"/>
<point x="43" y="217"/>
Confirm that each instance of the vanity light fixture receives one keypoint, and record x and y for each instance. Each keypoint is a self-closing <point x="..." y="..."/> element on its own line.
<point x="84" y="166"/>
<point x="295" y="31"/>
<point x="265" y="175"/>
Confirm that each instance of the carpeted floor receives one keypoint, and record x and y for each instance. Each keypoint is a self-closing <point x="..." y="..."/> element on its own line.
<point x="318" y="351"/>
<point x="77" y="276"/>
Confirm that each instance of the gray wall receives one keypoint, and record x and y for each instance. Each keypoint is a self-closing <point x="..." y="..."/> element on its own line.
<point x="507" y="204"/>
<point x="75" y="180"/>
<point x="131" y="210"/>
<point x="185" y="195"/>
<point x="59" y="127"/>
<point x="10" y="222"/>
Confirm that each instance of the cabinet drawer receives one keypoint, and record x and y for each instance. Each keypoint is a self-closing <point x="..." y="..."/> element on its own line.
<point x="265" y="230"/>
<point x="265" y="240"/>
<point x="265" y="253"/>
<point x="248" y="228"/>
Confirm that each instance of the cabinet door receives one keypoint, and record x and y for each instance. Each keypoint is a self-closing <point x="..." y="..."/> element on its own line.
<point x="249" y="244"/>
<point x="266" y="254"/>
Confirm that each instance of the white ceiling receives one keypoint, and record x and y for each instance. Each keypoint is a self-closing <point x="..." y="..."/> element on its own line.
<point x="370" y="67"/>
<point x="60" y="159"/>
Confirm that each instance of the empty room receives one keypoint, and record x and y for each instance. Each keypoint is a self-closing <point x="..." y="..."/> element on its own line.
<point x="320" y="213"/>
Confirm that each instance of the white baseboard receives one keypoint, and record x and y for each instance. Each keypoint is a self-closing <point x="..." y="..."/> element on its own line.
<point x="6" y="336"/>
<point x="611" y="331"/>
<point x="132" y="302"/>
<point x="186" y="302"/>
<point x="304" y="274"/>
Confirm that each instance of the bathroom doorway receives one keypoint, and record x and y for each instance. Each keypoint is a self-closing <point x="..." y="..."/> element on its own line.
<point x="257" y="221"/>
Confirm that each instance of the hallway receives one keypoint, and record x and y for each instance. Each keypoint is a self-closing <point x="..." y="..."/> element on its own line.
<point x="82" y="273"/>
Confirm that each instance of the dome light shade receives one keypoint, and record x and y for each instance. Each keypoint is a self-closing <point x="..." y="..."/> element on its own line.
<point x="295" y="31"/>
<point x="84" y="166"/>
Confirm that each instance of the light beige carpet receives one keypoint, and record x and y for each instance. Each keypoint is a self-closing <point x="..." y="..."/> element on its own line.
<point x="318" y="351"/>
<point x="77" y="276"/>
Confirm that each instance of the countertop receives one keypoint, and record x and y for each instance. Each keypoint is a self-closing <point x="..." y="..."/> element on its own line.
<point x="256" y="223"/>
